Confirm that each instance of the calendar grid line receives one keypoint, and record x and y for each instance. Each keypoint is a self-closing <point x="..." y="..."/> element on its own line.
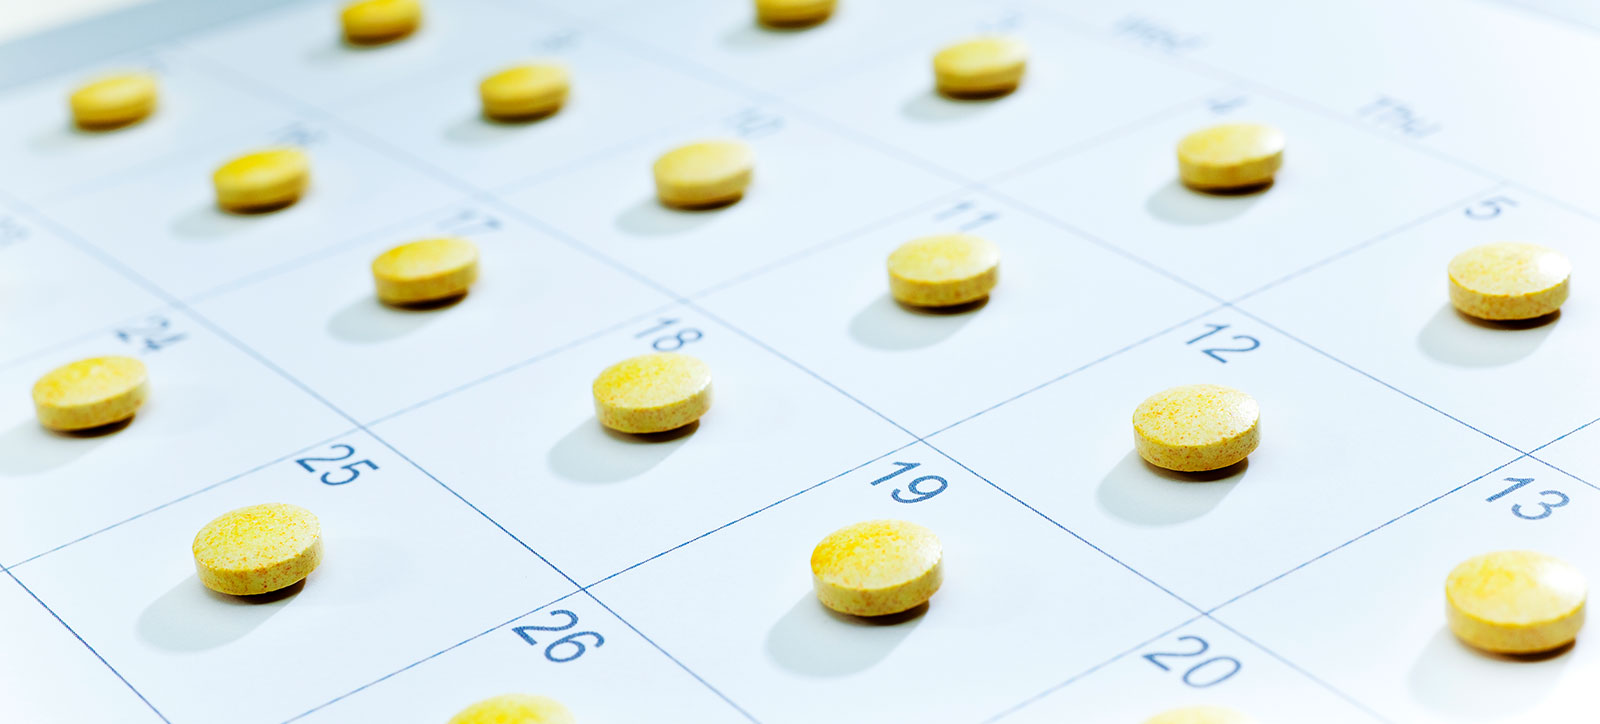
<point x="429" y="657"/>
<point x="1025" y="703"/>
<point x="1546" y="16"/>
<point x="87" y="645"/>
<point x="1302" y="671"/>
<point x="59" y="345"/>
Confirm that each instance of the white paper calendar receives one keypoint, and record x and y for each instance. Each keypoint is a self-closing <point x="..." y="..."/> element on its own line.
<point x="485" y="535"/>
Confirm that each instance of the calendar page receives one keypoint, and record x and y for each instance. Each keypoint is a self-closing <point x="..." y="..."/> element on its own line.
<point x="484" y="534"/>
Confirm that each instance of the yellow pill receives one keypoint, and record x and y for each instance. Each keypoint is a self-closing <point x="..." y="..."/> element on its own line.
<point x="429" y="270"/>
<point x="943" y="271"/>
<point x="981" y="67"/>
<point x="652" y="393"/>
<point x="114" y="101"/>
<point x="262" y="181"/>
<point x="90" y="393"/>
<point x="1516" y="602"/>
<point x="1200" y="715"/>
<point x="793" y="13"/>
<point x="1230" y="157"/>
<point x="704" y="174"/>
<point x="1194" y="428"/>
<point x="877" y="568"/>
<point x="258" y="549"/>
<point x="525" y="92"/>
<point x="1509" y="280"/>
<point x="370" y="22"/>
<point x="515" y="709"/>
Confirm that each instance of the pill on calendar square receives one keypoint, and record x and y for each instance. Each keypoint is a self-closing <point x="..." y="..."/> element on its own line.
<point x="1230" y="157"/>
<point x="793" y="13"/>
<point x="704" y="174"/>
<point x="1516" y="602"/>
<point x="525" y="92"/>
<point x="1200" y="715"/>
<point x="944" y="270"/>
<point x="980" y="67"/>
<point x="370" y="22"/>
<point x="1195" y="428"/>
<point x="90" y="393"/>
<point x="877" y="568"/>
<point x="262" y="181"/>
<point x="1509" y="280"/>
<point x="258" y="549"/>
<point x="429" y="270"/>
<point x="114" y="101"/>
<point x="515" y="709"/>
<point x="654" y="392"/>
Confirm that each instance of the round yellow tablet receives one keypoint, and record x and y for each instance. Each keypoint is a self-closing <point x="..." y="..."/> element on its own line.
<point x="1509" y="280"/>
<point x="262" y="181"/>
<point x="1516" y="602"/>
<point x="1194" y="428"/>
<point x="258" y="549"/>
<point x="525" y="92"/>
<point x="708" y="173"/>
<point x="515" y="709"/>
<point x="793" y="13"/>
<point x="1200" y="715"/>
<point x="370" y="22"/>
<point x="652" y="393"/>
<point x="90" y="393"/>
<point x="114" y="101"/>
<point x="1230" y="157"/>
<point x="980" y="67"/>
<point x="429" y="270"/>
<point x="943" y="271"/>
<point x="877" y="568"/>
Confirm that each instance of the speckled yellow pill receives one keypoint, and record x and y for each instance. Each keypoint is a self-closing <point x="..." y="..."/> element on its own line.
<point x="525" y="92"/>
<point x="258" y="549"/>
<point x="1230" y="156"/>
<point x="793" y="13"/>
<point x="944" y="270"/>
<point x="1509" y="280"/>
<point x="262" y="180"/>
<point x="877" y="568"/>
<point x="369" y="22"/>
<point x="703" y="174"/>
<point x="114" y="101"/>
<point x="980" y="67"/>
<point x="1200" y="715"/>
<point x="1194" y="428"/>
<point x="515" y="709"/>
<point x="652" y="393"/>
<point x="429" y="270"/>
<point x="90" y="393"/>
<point x="1516" y="602"/>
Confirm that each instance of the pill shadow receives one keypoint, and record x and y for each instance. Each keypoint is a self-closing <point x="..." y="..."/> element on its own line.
<point x="753" y="37"/>
<point x="649" y="217"/>
<point x="1143" y="494"/>
<point x="206" y="223"/>
<point x="887" y="324"/>
<point x="1178" y="204"/>
<point x="814" y="640"/>
<point x="29" y="449"/>
<point x="1463" y="683"/>
<point x="1462" y="341"/>
<point x="481" y="130"/>
<point x="366" y="320"/>
<point x="593" y="453"/>
<point x="191" y="617"/>
<point x="929" y="106"/>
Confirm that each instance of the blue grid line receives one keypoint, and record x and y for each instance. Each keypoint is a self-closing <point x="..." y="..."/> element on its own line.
<point x="87" y="645"/>
<point x="180" y="499"/>
<point x="1286" y="662"/>
<point x="1036" y="698"/>
<point x="428" y="658"/>
<point x="58" y="346"/>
